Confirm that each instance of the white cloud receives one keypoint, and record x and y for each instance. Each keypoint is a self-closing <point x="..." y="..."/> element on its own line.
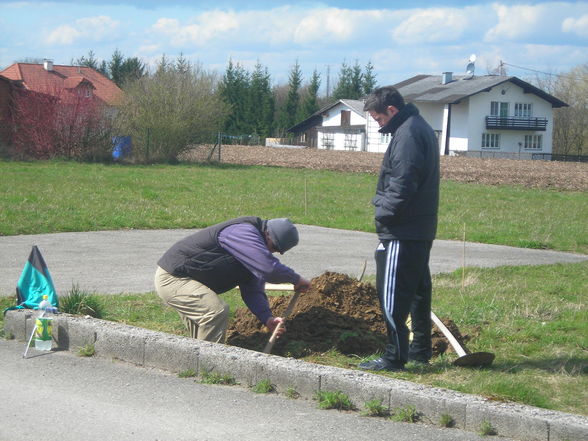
<point x="330" y="23"/>
<point x="435" y="25"/>
<point x="578" y="26"/>
<point x="208" y="26"/>
<point x="514" y="22"/>
<point x="91" y="28"/>
<point x="63" y="35"/>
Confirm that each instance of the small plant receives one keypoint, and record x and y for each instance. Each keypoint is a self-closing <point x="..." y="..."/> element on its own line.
<point x="486" y="428"/>
<point x="407" y="414"/>
<point x="375" y="408"/>
<point x="333" y="400"/>
<point x="80" y="302"/>
<point x="87" y="350"/>
<point x="445" y="420"/>
<point x="292" y="393"/>
<point x="188" y="373"/>
<point x="216" y="378"/>
<point x="263" y="387"/>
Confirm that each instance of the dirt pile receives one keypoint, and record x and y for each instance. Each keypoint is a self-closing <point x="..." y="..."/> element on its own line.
<point x="338" y="312"/>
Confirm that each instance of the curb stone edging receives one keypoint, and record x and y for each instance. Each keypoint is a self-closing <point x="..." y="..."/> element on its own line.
<point x="176" y="354"/>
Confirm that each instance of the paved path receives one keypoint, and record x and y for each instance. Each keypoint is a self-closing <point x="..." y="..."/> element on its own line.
<point x="58" y="396"/>
<point x="124" y="261"/>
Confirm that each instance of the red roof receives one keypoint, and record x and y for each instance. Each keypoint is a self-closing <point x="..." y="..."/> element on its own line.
<point x="36" y="77"/>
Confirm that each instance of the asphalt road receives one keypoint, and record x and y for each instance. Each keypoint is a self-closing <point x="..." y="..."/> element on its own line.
<point x="58" y="396"/>
<point x="124" y="261"/>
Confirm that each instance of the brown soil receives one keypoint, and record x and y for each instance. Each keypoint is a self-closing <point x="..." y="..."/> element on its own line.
<point x="572" y="176"/>
<point x="337" y="312"/>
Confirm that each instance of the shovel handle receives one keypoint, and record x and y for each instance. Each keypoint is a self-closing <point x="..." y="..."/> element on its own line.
<point x="272" y="340"/>
<point x="448" y="335"/>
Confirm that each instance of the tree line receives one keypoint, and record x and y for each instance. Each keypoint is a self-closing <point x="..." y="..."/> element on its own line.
<point x="255" y="105"/>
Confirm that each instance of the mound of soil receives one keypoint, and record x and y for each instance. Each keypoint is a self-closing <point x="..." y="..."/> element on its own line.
<point x="337" y="312"/>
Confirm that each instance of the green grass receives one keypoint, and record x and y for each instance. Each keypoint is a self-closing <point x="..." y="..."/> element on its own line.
<point x="53" y="196"/>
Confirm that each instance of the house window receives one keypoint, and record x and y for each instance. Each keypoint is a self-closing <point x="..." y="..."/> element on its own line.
<point x="329" y="141"/>
<point x="490" y="140"/>
<point x="533" y="142"/>
<point x="498" y="109"/>
<point x="523" y="110"/>
<point x="351" y="141"/>
<point x="345" y="118"/>
<point x="88" y="93"/>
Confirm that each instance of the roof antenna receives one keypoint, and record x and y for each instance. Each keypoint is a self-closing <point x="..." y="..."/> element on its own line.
<point x="470" y="68"/>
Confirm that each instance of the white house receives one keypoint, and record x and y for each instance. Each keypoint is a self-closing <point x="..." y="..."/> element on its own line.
<point x="489" y="114"/>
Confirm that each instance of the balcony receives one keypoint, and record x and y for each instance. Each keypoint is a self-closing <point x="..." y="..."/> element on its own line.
<point x="515" y="123"/>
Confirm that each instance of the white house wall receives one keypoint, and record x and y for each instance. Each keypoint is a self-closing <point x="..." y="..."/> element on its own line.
<point x="509" y="139"/>
<point x="333" y="116"/>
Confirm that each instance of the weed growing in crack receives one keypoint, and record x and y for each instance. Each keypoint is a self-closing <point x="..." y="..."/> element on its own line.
<point x="333" y="400"/>
<point x="215" y="378"/>
<point x="263" y="387"/>
<point x="87" y="350"/>
<point x="446" y="420"/>
<point x="407" y="414"/>
<point x="375" y="408"/>
<point x="188" y="373"/>
<point x="486" y="428"/>
<point x="292" y="393"/>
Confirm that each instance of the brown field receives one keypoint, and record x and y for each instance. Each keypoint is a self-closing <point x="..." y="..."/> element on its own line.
<point x="571" y="176"/>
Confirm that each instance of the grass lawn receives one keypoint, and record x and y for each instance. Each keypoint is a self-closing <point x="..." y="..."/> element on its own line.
<point x="52" y="196"/>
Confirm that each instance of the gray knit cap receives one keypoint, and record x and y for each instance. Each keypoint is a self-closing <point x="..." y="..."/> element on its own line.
<point x="283" y="233"/>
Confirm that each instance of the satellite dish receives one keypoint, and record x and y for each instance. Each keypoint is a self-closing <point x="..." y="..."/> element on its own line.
<point x="470" y="68"/>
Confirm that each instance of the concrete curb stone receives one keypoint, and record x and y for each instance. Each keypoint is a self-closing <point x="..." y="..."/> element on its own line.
<point x="176" y="354"/>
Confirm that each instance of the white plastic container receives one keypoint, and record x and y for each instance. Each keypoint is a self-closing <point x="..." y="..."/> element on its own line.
<point x="44" y="334"/>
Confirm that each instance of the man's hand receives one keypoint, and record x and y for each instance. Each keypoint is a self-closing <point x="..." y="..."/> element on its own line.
<point x="302" y="285"/>
<point x="273" y="322"/>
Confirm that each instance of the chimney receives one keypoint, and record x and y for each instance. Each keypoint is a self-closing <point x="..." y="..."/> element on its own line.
<point x="48" y="64"/>
<point x="446" y="77"/>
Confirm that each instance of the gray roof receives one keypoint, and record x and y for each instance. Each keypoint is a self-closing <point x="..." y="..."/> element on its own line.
<point x="428" y="88"/>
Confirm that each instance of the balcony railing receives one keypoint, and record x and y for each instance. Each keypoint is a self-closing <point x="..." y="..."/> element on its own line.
<point x="515" y="123"/>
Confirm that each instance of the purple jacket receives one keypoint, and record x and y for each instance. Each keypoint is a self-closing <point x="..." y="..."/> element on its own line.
<point x="248" y="246"/>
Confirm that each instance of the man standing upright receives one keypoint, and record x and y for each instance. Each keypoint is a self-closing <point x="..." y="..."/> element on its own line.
<point x="406" y="204"/>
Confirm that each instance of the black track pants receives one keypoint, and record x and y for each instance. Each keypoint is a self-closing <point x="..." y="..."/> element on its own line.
<point x="403" y="282"/>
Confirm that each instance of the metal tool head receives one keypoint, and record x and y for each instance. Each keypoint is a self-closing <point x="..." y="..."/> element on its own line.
<point x="475" y="359"/>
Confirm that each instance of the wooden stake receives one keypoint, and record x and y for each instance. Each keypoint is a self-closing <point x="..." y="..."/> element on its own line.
<point x="463" y="257"/>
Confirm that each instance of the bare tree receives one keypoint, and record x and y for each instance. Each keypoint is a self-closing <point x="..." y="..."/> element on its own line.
<point x="167" y="111"/>
<point x="570" y="126"/>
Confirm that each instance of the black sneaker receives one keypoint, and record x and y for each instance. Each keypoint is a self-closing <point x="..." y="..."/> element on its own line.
<point x="380" y="364"/>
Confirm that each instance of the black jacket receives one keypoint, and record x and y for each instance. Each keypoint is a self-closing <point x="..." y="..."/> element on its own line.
<point x="200" y="257"/>
<point x="407" y="195"/>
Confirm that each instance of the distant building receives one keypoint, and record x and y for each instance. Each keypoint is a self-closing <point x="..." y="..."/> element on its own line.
<point x="489" y="114"/>
<point x="54" y="80"/>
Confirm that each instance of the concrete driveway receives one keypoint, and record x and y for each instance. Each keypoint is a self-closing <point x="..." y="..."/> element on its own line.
<point x="124" y="260"/>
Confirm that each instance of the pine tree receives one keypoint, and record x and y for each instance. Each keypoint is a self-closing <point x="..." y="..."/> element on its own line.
<point x="310" y="104"/>
<point x="234" y="89"/>
<point x="261" y="101"/>
<point x="289" y="113"/>
<point x="369" y="79"/>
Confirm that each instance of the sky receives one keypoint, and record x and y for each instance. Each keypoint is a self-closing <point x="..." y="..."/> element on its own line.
<point x="399" y="38"/>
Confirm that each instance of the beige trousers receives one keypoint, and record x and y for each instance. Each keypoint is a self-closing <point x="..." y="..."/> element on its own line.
<point x="203" y="312"/>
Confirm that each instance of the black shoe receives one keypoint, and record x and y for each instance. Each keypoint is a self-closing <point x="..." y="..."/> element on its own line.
<point x="380" y="364"/>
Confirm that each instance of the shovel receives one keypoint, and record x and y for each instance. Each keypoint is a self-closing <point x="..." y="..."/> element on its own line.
<point x="464" y="359"/>
<point x="289" y="309"/>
